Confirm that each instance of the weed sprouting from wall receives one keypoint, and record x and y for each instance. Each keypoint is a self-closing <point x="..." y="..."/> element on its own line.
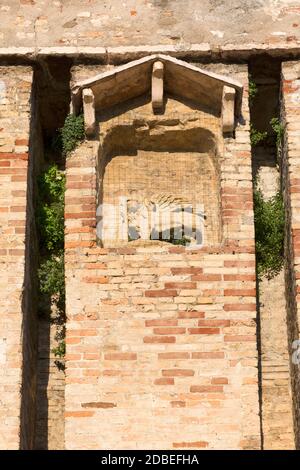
<point x="268" y="212"/>
<point x="72" y="133"/>
<point x="269" y="233"/>
<point x="257" y="137"/>
<point x="50" y="220"/>
<point x="253" y="90"/>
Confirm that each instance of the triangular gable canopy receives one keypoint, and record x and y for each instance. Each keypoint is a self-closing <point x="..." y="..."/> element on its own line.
<point x="163" y="74"/>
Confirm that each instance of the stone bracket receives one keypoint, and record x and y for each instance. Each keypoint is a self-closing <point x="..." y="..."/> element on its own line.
<point x="228" y="105"/>
<point x="157" y="86"/>
<point x="88" y="100"/>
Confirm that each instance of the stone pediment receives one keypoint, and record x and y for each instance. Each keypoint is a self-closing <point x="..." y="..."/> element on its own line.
<point x="160" y="75"/>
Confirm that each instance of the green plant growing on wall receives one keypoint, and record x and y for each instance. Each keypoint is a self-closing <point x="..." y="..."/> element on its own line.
<point x="257" y="137"/>
<point x="50" y="221"/>
<point x="253" y="90"/>
<point x="50" y="213"/>
<point x="269" y="233"/>
<point x="72" y="133"/>
<point x="278" y="130"/>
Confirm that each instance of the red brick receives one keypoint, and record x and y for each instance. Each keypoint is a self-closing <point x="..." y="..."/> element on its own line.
<point x="206" y="277"/>
<point x="240" y="307"/>
<point x="214" y="323"/>
<point x="158" y="339"/>
<point x="239" y="277"/>
<point x="174" y="355"/>
<point x="178" y="373"/>
<point x="187" y="270"/>
<point x="79" y="414"/>
<point x="191" y="314"/>
<point x="80" y="215"/>
<point x="208" y="355"/>
<point x="96" y="279"/>
<point x="204" y="331"/>
<point x="187" y="445"/>
<point x="169" y="331"/>
<point x="120" y="357"/>
<point x="181" y="285"/>
<point x="17" y="208"/>
<point x="161" y="322"/>
<point x="219" y="381"/>
<point x="206" y="388"/>
<point x="178" y="404"/>
<point x="95" y="265"/>
<point x="239" y="338"/>
<point x="99" y="404"/>
<point x="161" y="293"/>
<point x="164" y="381"/>
<point x="21" y="142"/>
<point x="239" y="264"/>
<point x="240" y="292"/>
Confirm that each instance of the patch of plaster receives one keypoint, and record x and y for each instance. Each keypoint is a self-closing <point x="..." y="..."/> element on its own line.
<point x="3" y="351"/>
<point x="2" y="91"/>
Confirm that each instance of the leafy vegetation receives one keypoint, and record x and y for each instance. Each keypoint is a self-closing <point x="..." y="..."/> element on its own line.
<point x="72" y="133"/>
<point x="253" y="90"/>
<point x="257" y="137"/>
<point x="269" y="233"/>
<point x="50" y="221"/>
<point x="278" y="130"/>
<point x="50" y="213"/>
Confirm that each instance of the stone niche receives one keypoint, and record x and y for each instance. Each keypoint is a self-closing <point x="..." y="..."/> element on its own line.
<point x="160" y="125"/>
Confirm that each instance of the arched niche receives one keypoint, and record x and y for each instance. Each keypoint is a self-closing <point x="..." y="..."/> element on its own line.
<point x="172" y="150"/>
<point x="169" y="171"/>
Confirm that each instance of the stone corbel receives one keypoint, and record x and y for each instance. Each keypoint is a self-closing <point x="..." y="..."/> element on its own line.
<point x="228" y="105"/>
<point x="157" y="86"/>
<point x="88" y="100"/>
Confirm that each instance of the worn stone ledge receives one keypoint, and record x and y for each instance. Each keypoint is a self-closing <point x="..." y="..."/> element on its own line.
<point x="118" y="55"/>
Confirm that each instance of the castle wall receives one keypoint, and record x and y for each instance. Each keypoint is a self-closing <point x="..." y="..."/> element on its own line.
<point x="16" y="233"/>
<point x="161" y="340"/>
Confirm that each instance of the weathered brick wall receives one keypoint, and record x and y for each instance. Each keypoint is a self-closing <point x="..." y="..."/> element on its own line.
<point x="50" y="423"/>
<point x="93" y="25"/>
<point x="15" y="103"/>
<point x="275" y="378"/>
<point x="30" y="288"/>
<point x="291" y="165"/>
<point x="161" y="342"/>
<point x="276" y="394"/>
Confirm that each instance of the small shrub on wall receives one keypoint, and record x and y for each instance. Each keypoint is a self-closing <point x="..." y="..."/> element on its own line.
<point x="269" y="233"/>
<point x="72" y="133"/>
<point x="50" y="220"/>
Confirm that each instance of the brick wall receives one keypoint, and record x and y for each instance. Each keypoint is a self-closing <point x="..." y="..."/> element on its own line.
<point x="50" y="424"/>
<point x="291" y="165"/>
<point x="15" y="103"/>
<point x="161" y="341"/>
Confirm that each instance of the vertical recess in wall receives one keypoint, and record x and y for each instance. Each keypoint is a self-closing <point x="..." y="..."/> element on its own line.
<point x="275" y="389"/>
<point x="53" y="77"/>
<point x="30" y="286"/>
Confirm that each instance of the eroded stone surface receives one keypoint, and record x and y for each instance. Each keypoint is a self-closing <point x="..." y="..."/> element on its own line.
<point x="40" y="23"/>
